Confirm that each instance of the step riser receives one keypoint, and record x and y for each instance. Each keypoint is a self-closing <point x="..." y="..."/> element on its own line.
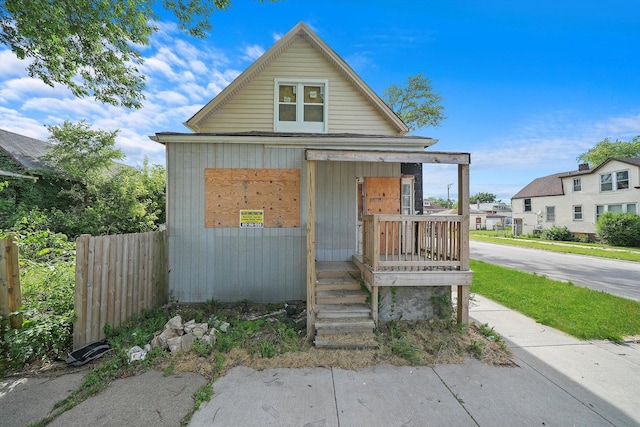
<point x="338" y="286"/>
<point x="342" y="314"/>
<point x="338" y="274"/>
<point x="343" y="330"/>
<point x="356" y="299"/>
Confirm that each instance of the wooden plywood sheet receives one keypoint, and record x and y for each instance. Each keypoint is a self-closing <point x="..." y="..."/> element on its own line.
<point x="382" y="195"/>
<point x="275" y="191"/>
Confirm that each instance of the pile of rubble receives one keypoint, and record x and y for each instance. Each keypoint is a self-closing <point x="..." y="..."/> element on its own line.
<point x="177" y="336"/>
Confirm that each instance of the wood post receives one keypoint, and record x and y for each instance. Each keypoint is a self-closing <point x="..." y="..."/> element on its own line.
<point x="311" y="248"/>
<point x="463" y="209"/>
<point x="10" y="293"/>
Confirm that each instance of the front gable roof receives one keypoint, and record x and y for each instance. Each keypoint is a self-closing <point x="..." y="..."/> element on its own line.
<point x="301" y="29"/>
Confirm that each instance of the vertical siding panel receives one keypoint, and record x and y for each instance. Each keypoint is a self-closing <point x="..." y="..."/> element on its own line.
<point x="231" y="264"/>
<point x="202" y="251"/>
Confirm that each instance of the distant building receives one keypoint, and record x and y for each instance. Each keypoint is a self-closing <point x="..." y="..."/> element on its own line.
<point x="576" y="199"/>
<point x="498" y="214"/>
<point x="430" y="208"/>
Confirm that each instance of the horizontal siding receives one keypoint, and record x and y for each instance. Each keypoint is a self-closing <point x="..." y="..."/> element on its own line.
<point x="252" y="109"/>
<point x="230" y="264"/>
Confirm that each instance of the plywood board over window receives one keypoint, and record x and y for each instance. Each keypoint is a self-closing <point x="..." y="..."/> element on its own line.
<point x="276" y="191"/>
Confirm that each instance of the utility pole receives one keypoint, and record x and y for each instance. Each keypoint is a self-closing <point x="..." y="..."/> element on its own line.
<point x="448" y="199"/>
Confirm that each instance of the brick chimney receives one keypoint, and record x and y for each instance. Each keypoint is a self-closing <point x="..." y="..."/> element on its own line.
<point x="583" y="167"/>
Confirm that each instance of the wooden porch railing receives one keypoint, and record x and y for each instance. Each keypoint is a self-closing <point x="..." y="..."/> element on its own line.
<point x="412" y="242"/>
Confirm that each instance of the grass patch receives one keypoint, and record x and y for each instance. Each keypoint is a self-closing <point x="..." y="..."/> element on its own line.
<point x="581" y="312"/>
<point x="592" y="249"/>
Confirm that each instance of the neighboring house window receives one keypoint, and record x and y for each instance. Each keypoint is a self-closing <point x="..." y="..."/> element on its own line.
<point x="527" y="205"/>
<point x="622" y="180"/>
<point x="301" y="106"/>
<point x="614" y="181"/>
<point x="617" y="208"/>
<point x="577" y="184"/>
<point x="577" y="213"/>
<point x="551" y="213"/>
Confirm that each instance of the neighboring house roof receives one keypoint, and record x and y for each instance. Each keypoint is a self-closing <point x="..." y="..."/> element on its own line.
<point x="25" y="151"/>
<point x="551" y="185"/>
<point x="301" y="29"/>
<point x="634" y="161"/>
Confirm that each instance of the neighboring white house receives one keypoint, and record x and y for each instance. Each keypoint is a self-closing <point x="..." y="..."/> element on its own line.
<point x="577" y="199"/>
<point x="496" y="214"/>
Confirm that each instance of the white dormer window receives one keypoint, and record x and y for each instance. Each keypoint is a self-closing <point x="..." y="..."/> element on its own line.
<point x="301" y="105"/>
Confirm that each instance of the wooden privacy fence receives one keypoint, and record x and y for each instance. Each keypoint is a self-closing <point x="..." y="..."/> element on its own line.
<point x="10" y="294"/>
<point x="116" y="278"/>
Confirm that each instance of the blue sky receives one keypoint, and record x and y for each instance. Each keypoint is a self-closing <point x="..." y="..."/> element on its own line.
<point x="527" y="85"/>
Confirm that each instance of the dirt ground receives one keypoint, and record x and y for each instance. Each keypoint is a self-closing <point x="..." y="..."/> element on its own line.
<point x="400" y="343"/>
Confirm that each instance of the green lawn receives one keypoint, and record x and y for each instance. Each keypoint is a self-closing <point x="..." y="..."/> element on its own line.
<point x="592" y="249"/>
<point x="581" y="312"/>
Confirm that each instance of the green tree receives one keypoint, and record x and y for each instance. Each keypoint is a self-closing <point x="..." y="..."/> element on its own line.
<point x="82" y="153"/>
<point x="92" y="46"/>
<point x="104" y="197"/>
<point x="606" y="148"/>
<point x="449" y="204"/>
<point x="483" y="198"/>
<point x="416" y="103"/>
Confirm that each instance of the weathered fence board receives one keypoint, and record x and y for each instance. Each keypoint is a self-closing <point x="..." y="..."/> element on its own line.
<point x="116" y="278"/>
<point x="10" y="294"/>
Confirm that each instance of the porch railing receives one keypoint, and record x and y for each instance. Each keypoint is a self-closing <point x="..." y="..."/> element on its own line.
<point x="412" y="242"/>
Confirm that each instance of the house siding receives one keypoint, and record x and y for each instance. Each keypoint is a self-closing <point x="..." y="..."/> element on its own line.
<point x="252" y="109"/>
<point x="230" y="264"/>
<point x="337" y="205"/>
<point x="262" y="265"/>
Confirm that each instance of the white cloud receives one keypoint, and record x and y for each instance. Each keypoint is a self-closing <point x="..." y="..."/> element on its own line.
<point x="20" y="88"/>
<point x="622" y="128"/>
<point x="171" y="97"/>
<point x="11" y="66"/>
<point x="253" y="52"/>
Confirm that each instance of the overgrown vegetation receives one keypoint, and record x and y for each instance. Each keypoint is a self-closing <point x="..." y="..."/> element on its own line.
<point x="581" y="312"/>
<point x="619" y="229"/>
<point x="47" y="279"/>
<point x="87" y="191"/>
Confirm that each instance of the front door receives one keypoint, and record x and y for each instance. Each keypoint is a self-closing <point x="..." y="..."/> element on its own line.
<point x="383" y="195"/>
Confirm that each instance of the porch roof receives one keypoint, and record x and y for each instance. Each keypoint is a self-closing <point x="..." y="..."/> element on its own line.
<point x="389" y="156"/>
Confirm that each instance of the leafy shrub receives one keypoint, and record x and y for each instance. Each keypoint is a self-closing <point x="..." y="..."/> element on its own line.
<point x="557" y="233"/>
<point x="47" y="298"/>
<point x="619" y="229"/>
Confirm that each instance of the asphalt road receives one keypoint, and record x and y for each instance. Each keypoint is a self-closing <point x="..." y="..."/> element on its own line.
<point x="620" y="278"/>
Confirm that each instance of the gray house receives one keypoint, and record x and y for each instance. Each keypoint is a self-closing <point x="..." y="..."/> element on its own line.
<point x="296" y="178"/>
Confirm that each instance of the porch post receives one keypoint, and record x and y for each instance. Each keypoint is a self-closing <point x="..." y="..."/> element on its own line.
<point x="311" y="248"/>
<point x="463" y="209"/>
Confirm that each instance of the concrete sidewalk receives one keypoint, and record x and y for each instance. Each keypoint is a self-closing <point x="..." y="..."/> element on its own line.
<point x="560" y="381"/>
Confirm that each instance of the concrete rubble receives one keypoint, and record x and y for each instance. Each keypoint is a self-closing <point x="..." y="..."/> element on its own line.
<point x="178" y="336"/>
